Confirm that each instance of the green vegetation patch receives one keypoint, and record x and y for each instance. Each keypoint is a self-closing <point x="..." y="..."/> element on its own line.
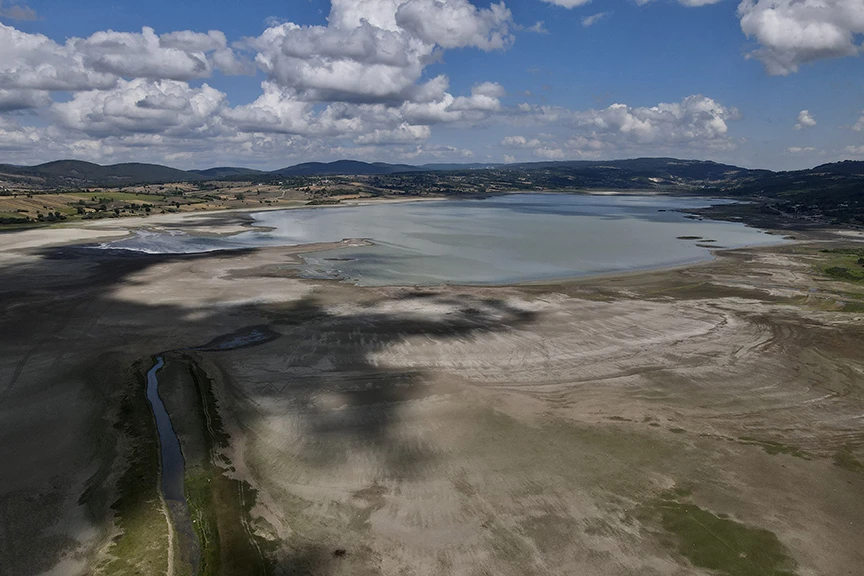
<point x="854" y="307"/>
<point x="844" y="458"/>
<point x="142" y="546"/>
<point x="718" y="543"/>
<point x="774" y="448"/>
<point x="221" y="507"/>
<point x="845" y="264"/>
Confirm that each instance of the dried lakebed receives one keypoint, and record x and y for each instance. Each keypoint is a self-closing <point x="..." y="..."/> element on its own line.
<point x="498" y="240"/>
<point x="685" y="421"/>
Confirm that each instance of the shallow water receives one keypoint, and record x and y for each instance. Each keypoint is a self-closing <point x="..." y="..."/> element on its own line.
<point x="169" y="444"/>
<point x="173" y="470"/>
<point x="510" y="238"/>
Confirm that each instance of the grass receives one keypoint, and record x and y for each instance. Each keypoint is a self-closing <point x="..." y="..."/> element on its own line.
<point x="854" y="307"/>
<point x="775" y="448"/>
<point x="716" y="542"/>
<point x="221" y="506"/>
<point x="846" y="264"/>
<point x="142" y="546"/>
<point x="844" y="458"/>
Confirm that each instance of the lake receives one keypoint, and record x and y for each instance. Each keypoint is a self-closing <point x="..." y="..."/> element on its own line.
<point x="502" y="239"/>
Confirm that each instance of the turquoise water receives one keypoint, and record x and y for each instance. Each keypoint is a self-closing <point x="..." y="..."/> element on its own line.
<point x="510" y="238"/>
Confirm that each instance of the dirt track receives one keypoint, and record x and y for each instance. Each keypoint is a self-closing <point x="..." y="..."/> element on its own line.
<point x="514" y="430"/>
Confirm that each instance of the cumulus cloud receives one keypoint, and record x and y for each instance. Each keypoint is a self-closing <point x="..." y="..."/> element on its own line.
<point x="550" y="153"/>
<point x="567" y="3"/>
<point x="520" y="142"/>
<point x="799" y="150"/>
<point x="324" y="64"/>
<point x="17" y="12"/>
<point x="795" y="32"/>
<point x="541" y="148"/>
<point x="23" y="99"/>
<point x="13" y="136"/>
<point x="805" y="120"/>
<point x="375" y="50"/>
<point x="358" y="79"/>
<point x="181" y="55"/>
<point x="281" y="109"/>
<point x="859" y="125"/>
<point x="35" y="62"/>
<point x="403" y="133"/>
<point x="166" y="107"/>
<point x="593" y="19"/>
<point x="538" y="27"/>
<point x="695" y="121"/>
<point x="456" y="23"/>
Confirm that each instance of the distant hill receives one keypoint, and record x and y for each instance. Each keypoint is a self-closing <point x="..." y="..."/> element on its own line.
<point x="75" y="173"/>
<point x="225" y="172"/>
<point x="121" y="173"/>
<point x="344" y="167"/>
<point x="635" y="173"/>
<point x="847" y="167"/>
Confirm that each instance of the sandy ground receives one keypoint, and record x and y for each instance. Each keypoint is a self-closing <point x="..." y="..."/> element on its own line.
<point x="513" y="430"/>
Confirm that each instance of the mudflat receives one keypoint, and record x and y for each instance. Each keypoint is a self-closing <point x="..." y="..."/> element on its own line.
<point x="701" y="420"/>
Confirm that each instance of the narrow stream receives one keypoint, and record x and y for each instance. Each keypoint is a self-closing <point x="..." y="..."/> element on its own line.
<point x="173" y="471"/>
<point x="169" y="444"/>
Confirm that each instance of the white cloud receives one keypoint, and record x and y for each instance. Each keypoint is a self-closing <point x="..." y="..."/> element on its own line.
<point x="282" y="110"/>
<point x="276" y="110"/>
<point x="545" y="148"/>
<point x="593" y="19"/>
<point x="520" y="142"/>
<point x="356" y="80"/>
<point x="855" y="150"/>
<point x="165" y="107"/>
<point x="550" y="153"/>
<point x="13" y="136"/>
<point x="538" y="27"/>
<point x="18" y="99"/>
<point x="859" y="125"/>
<point x="567" y="3"/>
<point x="696" y="120"/>
<point x="402" y="134"/>
<point x="17" y="12"/>
<point x="35" y="62"/>
<point x="799" y="150"/>
<point x="365" y="64"/>
<point x="180" y="55"/>
<point x="795" y="32"/>
<point x="456" y="23"/>
<point x="805" y="120"/>
<point x="375" y="50"/>
<point x="688" y="3"/>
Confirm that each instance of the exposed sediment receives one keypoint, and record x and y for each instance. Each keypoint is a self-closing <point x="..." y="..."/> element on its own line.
<point x="512" y="430"/>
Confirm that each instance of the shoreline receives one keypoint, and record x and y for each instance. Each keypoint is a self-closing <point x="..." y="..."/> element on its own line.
<point x="677" y="371"/>
<point x="234" y="221"/>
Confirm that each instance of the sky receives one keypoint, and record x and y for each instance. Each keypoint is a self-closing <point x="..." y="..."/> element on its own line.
<point x="772" y="84"/>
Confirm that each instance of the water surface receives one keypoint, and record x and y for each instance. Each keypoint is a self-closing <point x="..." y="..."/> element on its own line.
<point x="503" y="239"/>
<point x="169" y="444"/>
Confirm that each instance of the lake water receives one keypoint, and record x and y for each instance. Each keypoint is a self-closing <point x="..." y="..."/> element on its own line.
<point x="503" y="239"/>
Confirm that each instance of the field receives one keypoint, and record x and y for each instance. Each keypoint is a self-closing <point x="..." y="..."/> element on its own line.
<point x="700" y="420"/>
<point x="30" y="208"/>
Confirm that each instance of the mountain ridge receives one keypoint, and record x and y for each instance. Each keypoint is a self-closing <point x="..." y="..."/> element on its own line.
<point x="78" y="173"/>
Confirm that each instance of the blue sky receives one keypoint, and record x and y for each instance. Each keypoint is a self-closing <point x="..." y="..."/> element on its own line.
<point x="759" y="83"/>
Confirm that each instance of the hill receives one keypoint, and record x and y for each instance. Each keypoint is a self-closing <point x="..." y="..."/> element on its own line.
<point x="75" y="173"/>
<point x="226" y="172"/>
<point x="344" y="167"/>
